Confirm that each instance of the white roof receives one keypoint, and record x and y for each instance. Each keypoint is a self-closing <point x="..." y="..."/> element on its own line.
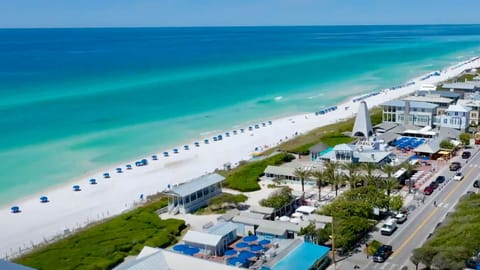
<point x="428" y="87"/>
<point x="202" y="238"/>
<point x="343" y="147"/>
<point x="458" y="108"/>
<point x="306" y="209"/>
<point x="429" y="98"/>
<point x="196" y="184"/>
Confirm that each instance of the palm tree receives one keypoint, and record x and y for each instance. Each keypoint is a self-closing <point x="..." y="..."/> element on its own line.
<point x="319" y="176"/>
<point x="351" y="176"/>
<point x="372" y="180"/>
<point x="332" y="175"/>
<point x="389" y="170"/>
<point x="302" y="174"/>
<point x="410" y="169"/>
<point x="369" y="168"/>
<point x="389" y="184"/>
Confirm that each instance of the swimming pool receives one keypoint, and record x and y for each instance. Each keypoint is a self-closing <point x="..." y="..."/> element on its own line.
<point x="302" y="258"/>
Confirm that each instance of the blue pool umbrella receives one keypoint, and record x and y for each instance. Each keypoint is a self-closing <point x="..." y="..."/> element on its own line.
<point x="93" y="181"/>
<point x="180" y="247"/>
<point x="106" y="175"/>
<point x="230" y="252"/>
<point x="15" y="209"/>
<point x="241" y="245"/>
<point x="256" y="248"/>
<point x="233" y="261"/>
<point x="191" y="251"/>
<point x="76" y="188"/>
<point x="245" y="255"/>
<point x="250" y="238"/>
<point x="44" y="199"/>
<point x="425" y="158"/>
<point x="119" y="170"/>
<point x="264" y="242"/>
<point x="128" y="166"/>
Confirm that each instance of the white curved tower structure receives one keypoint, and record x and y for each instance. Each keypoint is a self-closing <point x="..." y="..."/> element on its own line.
<point x="363" y="126"/>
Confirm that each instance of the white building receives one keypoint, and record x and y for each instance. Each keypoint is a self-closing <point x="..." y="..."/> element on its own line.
<point x="409" y="112"/>
<point x="456" y="116"/>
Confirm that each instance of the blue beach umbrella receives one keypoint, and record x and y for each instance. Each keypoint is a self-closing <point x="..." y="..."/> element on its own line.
<point x="227" y="134"/>
<point x="234" y="132"/>
<point x="205" y="141"/>
<point x="215" y="139"/>
<point x="256" y="248"/>
<point x="230" y="252"/>
<point x="44" y="199"/>
<point x="154" y="157"/>
<point x="197" y="144"/>
<point x="175" y="150"/>
<point x="93" y="181"/>
<point x="15" y="209"/>
<point x="191" y="251"/>
<point x="250" y="238"/>
<point x="180" y="247"/>
<point x="119" y="170"/>
<point x="106" y="175"/>
<point x="76" y="188"/>
<point x="186" y="147"/>
<point x="264" y="242"/>
<point x="165" y="154"/>
<point x="128" y="166"/>
<point x="241" y="245"/>
<point x="242" y="130"/>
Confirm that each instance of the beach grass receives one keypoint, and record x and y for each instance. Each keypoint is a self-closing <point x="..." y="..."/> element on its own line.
<point x="105" y="245"/>
<point x="245" y="176"/>
<point x="221" y="203"/>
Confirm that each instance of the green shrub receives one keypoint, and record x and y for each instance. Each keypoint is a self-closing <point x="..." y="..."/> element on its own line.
<point x="104" y="245"/>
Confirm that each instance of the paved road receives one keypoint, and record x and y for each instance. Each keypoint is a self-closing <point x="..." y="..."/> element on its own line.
<point x="422" y="221"/>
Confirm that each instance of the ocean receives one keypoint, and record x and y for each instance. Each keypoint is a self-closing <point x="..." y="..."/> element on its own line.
<point x="76" y="100"/>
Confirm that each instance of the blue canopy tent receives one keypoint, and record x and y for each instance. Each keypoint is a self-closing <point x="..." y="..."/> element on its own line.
<point x="241" y="245"/>
<point x="234" y="132"/>
<point x="44" y="199"/>
<point x="106" y="175"/>
<point x="15" y="209"/>
<point x="191" y="251"/>
<point x="180" y="247"/>
<point x="119" y="170"/>
<point x="128" y="166"/>
<point x="230" y="252"/>
<point x="76" y="188"/>
<point x="263" y="124"/>
<point x="269" y="122"/>
<point x="257" y="126"/>
<point x="186" y="147"/>
<point x="215" y="139"/>
<point x="250" y="238"/>
<point x="250" y="128"/>
<point x="227" y="134"/>
<point x="264" y="242"/>
<point x="154" y="157"/>
<point x="175" y="150"/>
<point x="165" y="154"/>
<point x="242" y="130"/>
<point x="205" y="141"/>
<point x="219" y="137"/>
<point x="93" y="181"/>
<point x="197" y="144"/>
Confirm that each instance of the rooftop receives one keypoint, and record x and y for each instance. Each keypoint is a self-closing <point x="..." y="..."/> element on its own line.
<point x="461" y="85"/>
<point x="195" y="185"/>
<point x="319" y="147"/>
<point x="430" y="98"/>
<point x="413" y="104"/>
<point x="222" y="228"/>
<point x="202" y="237"/>
<point x="447" y="94"/>
<point x="458" y="108"/>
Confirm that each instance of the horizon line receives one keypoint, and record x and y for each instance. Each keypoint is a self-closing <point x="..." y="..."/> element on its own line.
<point x="230" y="26"/>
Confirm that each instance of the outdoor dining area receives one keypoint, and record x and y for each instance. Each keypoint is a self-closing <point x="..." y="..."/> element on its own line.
<point x="246" y="251"/>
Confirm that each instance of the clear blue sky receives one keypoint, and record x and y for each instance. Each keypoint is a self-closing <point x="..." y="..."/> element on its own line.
<point x="112" y="13"/>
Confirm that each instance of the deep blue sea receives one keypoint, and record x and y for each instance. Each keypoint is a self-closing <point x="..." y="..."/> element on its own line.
<point x="75" y="100"/>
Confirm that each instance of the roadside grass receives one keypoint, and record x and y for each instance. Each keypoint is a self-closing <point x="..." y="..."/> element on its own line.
<point x="106" y="244"/>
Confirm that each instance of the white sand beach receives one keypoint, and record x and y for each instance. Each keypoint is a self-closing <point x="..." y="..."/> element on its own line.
<point x="69" y="210"/>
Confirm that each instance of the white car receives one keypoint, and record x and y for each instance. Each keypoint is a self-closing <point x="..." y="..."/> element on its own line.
<point x="401" y="218"/>
<point x="458" y="176"/>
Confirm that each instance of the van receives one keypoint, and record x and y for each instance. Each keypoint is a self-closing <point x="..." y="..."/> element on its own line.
<point x="389" y="227"/>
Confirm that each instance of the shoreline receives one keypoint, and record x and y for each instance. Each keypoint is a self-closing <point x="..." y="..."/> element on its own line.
<point x="71" y="210"/>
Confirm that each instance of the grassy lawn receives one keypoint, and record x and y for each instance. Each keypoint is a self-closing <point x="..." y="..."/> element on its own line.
<point x="245" y="177"/>
<point x="104" y="245"/>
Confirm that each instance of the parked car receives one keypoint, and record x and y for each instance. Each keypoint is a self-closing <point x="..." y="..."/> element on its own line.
<point x="382" y="253"/>
<point x="434" y="185"/>
<point x="458" y="176"/>
<point x="428" y="190"/>
<point x="389" y="227"/>
<point x="455" y="166"/>
<point x="476" y="184"/>
<point x="401" y="218"/>
<point x="440" y="179"/>
<point x="466" y="154"/>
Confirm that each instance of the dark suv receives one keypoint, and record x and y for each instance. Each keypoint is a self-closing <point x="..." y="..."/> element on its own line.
<point x="476" y="184"/>
<point x="382" y="253"/>
<point x="440" y="179"/>
<point x="455" y="166"/>
<point x="466" y="154"/>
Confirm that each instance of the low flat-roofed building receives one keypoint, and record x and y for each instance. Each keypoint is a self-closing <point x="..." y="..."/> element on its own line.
<point x="6" y="265"/>
<point x="196" y="193"/>
<point x="213" y="243"/>
<point x="317" y="150"/>
<point x="160" y="259"/>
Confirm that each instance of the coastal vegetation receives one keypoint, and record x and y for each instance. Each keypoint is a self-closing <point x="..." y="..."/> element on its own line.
<point x="448" y="248"/>
<point x="278" y="198"/>
<point x="105" y="245"/>
<point x="221" y="203"/>
<point x="245" y="177"/>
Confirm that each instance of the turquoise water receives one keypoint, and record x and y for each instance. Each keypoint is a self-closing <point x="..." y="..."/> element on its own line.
<point x="303" y="257"/>
<point x="76" y="100"/>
